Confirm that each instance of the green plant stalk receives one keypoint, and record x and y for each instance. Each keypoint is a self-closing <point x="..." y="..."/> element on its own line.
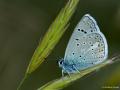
<point x="18" y="88"/>
<point x="53" y="35"/>
<point x="59" y="84"/>
<point x="51" y="38"/>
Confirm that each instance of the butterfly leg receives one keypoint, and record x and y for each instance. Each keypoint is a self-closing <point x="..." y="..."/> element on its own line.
<point x="62" y="73"/>
<point x="69" y="74"/>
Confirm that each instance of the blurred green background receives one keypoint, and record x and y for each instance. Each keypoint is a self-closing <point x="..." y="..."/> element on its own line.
<point x="23" y="24"/>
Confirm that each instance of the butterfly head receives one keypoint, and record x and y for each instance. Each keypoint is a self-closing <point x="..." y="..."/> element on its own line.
<point x="66" y="68"/>
<point x="61" y="63"/>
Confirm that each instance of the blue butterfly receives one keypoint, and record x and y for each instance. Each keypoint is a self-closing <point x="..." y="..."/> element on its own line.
<point x="87" y="47"/>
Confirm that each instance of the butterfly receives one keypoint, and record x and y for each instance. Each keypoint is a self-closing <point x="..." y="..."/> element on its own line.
<point x="86" y="48"/>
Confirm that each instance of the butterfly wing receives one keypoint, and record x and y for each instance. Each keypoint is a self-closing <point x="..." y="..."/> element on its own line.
<point x="87" y="45"/>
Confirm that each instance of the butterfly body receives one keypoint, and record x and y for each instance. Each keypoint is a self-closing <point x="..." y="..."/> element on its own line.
<point x="86" y="48"/>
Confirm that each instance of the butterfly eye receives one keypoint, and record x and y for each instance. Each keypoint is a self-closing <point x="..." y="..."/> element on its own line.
<point x="61" y="62"/>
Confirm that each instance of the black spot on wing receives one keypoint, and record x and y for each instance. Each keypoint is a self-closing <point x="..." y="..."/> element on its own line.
<point x="91" y="30"/>
<point x="82" y="30"/>
<point x="77" y="39"/>
<point x="84" y="43"/>
<point x="92" y="45"/>
<point x="78" y="44"/>
<point x="78" y="29"/>
<point x="85" y="32"/>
